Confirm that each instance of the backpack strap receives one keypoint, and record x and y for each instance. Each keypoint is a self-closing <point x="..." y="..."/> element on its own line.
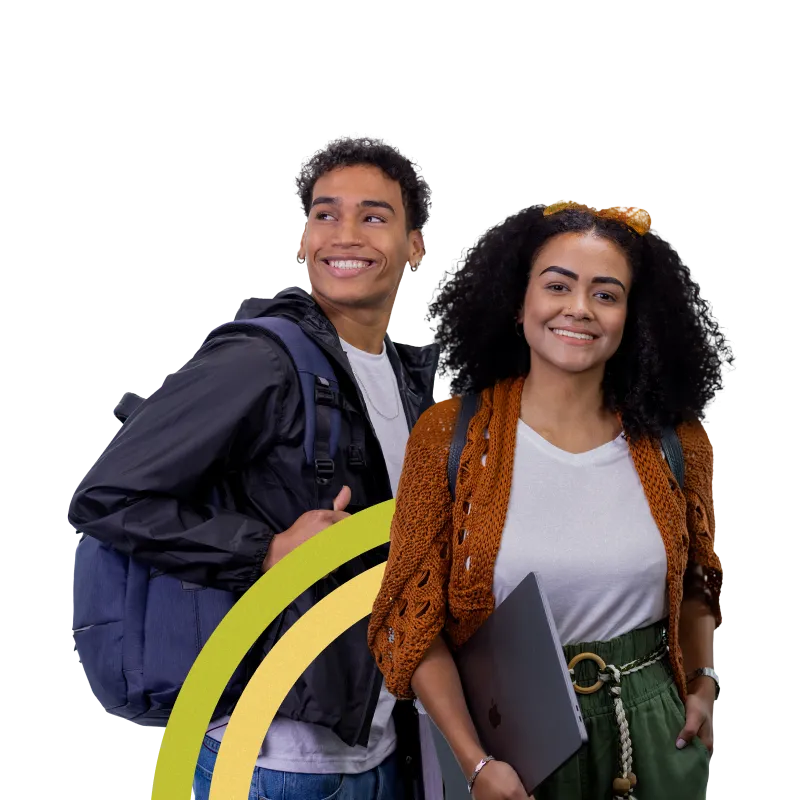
<point x="469" y="403"/>
<point x="672" y="447"/>
<point x="356" y="455"/>
<point x="319" y="386"/>
<point x="671" y="444"/>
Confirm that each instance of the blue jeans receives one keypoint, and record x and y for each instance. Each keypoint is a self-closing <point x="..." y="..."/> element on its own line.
<point x="381" y="783"/>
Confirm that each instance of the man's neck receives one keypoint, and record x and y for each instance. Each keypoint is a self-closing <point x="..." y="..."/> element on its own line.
<point x="363" y="328"/>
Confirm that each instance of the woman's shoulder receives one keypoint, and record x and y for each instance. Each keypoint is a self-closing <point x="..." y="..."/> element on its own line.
<point x="694" y="439"/>
<point x="698" y="457"/>
<point x="438" y="422"/>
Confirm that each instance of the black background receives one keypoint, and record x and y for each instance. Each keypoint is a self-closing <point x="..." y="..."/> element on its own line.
<point x="177" y="225"/>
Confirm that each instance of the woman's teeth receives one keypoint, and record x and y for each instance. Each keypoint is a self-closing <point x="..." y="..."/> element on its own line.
<point x="573" y="335"/>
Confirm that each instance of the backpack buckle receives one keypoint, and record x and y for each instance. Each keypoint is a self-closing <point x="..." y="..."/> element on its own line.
<point x="324" y="395"/>
<point x="355" y="456"/>
<point x="325" y="469"/>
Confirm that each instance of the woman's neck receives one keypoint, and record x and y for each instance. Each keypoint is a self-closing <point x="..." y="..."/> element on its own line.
<point x="567" y="408"/>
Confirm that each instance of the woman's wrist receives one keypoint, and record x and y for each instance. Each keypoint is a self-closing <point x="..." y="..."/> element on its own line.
<point x="703" y="686"/>
<point x="470" y="758"/>
<point x="472" y="778"/>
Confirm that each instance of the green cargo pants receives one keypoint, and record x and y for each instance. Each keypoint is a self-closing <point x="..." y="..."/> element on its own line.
<point x="655" y="714"/>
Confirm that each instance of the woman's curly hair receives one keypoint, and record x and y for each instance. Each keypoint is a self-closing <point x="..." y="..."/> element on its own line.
<point x="668" y="366"/>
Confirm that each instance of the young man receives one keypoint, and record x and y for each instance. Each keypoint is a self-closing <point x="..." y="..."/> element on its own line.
<point x="233" y="418"/>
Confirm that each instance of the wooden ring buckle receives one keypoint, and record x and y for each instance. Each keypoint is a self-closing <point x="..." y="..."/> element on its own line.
<point x="587" y="657"/>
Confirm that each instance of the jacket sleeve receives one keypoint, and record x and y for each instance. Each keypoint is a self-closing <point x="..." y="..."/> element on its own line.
<point x="147" y="494"/>
<point x="411" y="608"/>
<point x="704" y="574"/>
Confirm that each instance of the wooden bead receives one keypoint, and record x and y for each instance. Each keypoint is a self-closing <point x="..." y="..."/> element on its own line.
<point x="632" y="779"/>
<point x="621" y="785"/>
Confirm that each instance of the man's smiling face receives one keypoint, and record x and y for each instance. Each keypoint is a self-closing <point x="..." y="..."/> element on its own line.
<point x="356" y="241"/>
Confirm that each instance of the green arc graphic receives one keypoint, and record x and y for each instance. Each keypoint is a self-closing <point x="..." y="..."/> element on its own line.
<point x="238" y="631"/>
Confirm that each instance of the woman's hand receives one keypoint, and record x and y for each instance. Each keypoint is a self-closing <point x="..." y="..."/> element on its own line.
<point x="497" y="780"/>
<point x="698" y="716"/>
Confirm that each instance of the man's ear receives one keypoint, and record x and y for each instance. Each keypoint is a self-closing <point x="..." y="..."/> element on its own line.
<point x="300" y="255"/>
<point x="417" y="250"/>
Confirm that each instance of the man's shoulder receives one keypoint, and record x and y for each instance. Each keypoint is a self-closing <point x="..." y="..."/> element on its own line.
<point x="240" y="355"/>
<point x="240" y="344"/>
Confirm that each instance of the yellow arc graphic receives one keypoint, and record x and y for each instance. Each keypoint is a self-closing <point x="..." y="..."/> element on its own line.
<point x="277" y="673"/>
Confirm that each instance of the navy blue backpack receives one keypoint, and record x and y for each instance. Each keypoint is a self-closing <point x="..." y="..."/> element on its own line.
<point x="138" y="631"/>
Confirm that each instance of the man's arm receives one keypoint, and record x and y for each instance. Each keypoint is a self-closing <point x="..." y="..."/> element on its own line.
<point x="145" y="495"/>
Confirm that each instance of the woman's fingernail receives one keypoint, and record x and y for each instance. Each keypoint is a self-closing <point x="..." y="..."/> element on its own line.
<point x="680" y="743"/>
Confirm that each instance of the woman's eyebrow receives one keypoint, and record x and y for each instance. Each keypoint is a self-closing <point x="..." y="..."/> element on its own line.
<point x="574" y="277"/>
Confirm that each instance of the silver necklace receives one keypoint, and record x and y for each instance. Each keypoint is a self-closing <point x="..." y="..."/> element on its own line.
<point x="374" y="405"/>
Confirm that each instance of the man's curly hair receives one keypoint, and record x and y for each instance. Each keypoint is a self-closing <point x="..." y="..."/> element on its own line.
<point x="668" y="366"/>
<point x="352" y="152"/>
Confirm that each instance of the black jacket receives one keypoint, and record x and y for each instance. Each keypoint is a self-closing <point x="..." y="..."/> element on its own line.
<point x="231" y="421"/>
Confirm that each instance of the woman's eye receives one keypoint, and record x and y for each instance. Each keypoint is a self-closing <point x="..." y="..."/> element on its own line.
<point x="606" y="296"/>
<point x="558" y="287"/>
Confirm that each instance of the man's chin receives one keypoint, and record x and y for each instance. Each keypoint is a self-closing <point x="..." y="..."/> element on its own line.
<point x="348" y="296"/>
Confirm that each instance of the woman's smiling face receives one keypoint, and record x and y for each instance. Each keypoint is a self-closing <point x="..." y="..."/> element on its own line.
<point x="576" y="302"/>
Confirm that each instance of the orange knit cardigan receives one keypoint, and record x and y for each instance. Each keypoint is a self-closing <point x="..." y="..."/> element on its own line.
<point x="427" y="588"/>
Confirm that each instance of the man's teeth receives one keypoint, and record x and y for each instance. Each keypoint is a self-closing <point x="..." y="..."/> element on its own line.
<point x="573" y="335"/>
<point x="356" y="264"/>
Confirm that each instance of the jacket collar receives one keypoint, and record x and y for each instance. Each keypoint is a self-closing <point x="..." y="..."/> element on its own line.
<point x="415" y="367"/>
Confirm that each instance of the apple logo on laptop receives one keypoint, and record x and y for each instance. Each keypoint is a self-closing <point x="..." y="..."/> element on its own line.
<point x="494" y="717"/>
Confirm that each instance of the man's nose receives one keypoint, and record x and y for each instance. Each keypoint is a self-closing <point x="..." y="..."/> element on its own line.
<point x="347" y="233"/>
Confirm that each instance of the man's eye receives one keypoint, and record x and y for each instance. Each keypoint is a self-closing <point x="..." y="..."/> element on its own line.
<point x="324" y="215"/>
<point x="374" y="218"/>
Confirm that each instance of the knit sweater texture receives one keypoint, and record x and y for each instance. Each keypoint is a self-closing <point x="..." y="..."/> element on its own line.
<point x="439" y="575"/>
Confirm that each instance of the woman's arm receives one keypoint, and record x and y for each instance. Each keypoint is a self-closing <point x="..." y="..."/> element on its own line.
<point x="437" y="684"/>
<point x="697" y="624"/>
<point x="704" y="574"/>
<point x="696" y="634"/>
<point x="411" y="608"/>
<point x="700" y="609"/>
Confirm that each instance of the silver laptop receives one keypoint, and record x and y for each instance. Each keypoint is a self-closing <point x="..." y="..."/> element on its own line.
<point x="519" y="692"/>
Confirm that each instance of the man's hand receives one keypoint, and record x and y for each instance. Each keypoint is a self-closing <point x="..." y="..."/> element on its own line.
<point x="306" y="527"/>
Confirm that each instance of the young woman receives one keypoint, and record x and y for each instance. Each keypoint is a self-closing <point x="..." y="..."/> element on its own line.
<point x="586" y="339"/>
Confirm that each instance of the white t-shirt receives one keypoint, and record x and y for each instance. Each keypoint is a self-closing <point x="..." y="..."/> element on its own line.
<point x="377" y="382"/>
<point x="292" y="746"/>
<point x="582" y="522"/>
